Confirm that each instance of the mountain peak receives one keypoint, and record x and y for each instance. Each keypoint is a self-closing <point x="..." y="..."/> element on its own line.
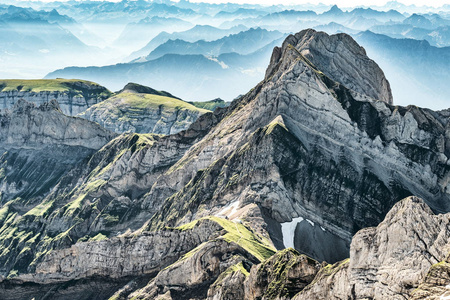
<point x="331" y="55"/>
<point x="335" y="10"/>
<point x="132" y="87"/>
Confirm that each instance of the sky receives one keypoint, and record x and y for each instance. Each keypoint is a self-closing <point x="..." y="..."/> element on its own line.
<point x="343" y="3"/>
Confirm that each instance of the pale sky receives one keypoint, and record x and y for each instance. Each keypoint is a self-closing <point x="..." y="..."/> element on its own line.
<point x="343" y="3"/>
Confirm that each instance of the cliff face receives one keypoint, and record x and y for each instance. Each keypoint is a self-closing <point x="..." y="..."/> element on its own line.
<point x="306" y="159"/>
<point x="73" y="96"/>
<point x="143" y="110"/>
<point x="403" y="257"/>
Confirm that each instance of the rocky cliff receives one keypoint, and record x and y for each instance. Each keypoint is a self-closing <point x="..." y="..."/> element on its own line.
<point x="403" y="257"/>
<point x="141" y="109"/>
<point x="307" y="159"/>
<point x="73" y="96"/>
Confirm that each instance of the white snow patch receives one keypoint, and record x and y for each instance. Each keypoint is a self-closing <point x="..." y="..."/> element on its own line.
<point x="310" y="222"/>
<point x="288" y="231"/>
<point x="229" y="209"/>
<point x="323" y="229"/>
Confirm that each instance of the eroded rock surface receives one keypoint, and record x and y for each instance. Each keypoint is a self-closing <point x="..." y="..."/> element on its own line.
<point x="307" y="158"/>
<point x="73" y="96"/>
<point x="391" y="260"/>
<point x="141" y="109"/>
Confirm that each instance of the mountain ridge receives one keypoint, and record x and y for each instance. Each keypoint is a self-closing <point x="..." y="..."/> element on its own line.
<point x="309" y="157"/>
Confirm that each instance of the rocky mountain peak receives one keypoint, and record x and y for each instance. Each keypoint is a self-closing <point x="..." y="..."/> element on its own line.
<point x="340" y="58"/>
<point x="50" y="105"/>
<point x="22" y="106"/>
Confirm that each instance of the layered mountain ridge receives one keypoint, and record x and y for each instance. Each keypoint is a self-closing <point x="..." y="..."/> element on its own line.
<point x="141" y="109"/>
<point x="73" y="96"/>
<point x="311" y="156"/>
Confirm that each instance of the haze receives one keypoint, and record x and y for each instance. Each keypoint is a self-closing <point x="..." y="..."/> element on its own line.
<point x="200" y="51"/>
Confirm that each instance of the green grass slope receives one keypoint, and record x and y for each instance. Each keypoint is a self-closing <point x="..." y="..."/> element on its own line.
<point x="52" y="85"/>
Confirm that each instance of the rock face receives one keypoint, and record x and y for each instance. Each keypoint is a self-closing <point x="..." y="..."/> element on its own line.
<point x="341" y="59"/>
<point x="141" y="109"/>
<point x="306" y="159"/>
<point x="73" y="96"/>
<point x="28" y="125"/>
<point x="39" y="145"/>
<point x="391" y="260"/>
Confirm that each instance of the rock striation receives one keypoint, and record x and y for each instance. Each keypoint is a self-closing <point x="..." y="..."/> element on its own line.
<point x="141" y="109"/>
<point x="29" y="125"/>
<point x="341" y="59"/>
<point x="73" y="96"/>
<point x="392" y="260"/>
<point x="308" y="159"/>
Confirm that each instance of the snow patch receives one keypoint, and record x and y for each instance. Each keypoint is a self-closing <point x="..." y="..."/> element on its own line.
<point x="323" y="229"/>
<point x="288" y="231"/>
<point x="310" y="222"/>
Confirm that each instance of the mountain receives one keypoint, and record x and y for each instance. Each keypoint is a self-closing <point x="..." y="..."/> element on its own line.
<point x="239" y="14"/>
<point x="135" y="34"/>
<point x="288" y="16"/>
<point x="39" y="145"/>
<point x="192" y="77"/>
<point x="361" y="23"/>
<point x="122" y="12"/>
<point x="309" y="158"/>
<point x="380" y="16"/>
<point x="418" y="21"/>
<point x="197" y="33"/>
<point x="416" y="69"/>
<point x="360" y="15"/>
<point x="254" y="38"/>
<point x="438" y="37"/>
<point x="211" y="105"/>
<point x="73" y="96"/>
<point x="388" y="261"/>
<point x="141" y="109"/>
<point x="31" y="45"/>
<point x="332" y="28"/>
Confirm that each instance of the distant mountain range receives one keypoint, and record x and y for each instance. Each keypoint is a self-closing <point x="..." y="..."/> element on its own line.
<point x="141" y="41"/>
<point x="195" y="71"/>
<point x="197" y="33"/>
<point x="416" y="70"/>
<point x="135" y="35"/>
<point x="244" y="42"/>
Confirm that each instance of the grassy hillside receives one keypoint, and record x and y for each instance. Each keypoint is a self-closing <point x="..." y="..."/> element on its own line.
<point x="211" y="105"/>
<point x="145" y="101"/>
<point x="52" y="85"/>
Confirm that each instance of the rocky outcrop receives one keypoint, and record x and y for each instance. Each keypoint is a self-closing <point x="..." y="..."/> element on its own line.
<point x="141" y="109"/>
<point x="73" y="96"/>
<point x="131" y="254"/>
<point x="341" y="59"/>
<point x="436" y="283"/>
<point x="391" y="260"/>
<point x="39" y="145"/>
<point x="28" y="125"/>
<point x="303" y="160"/>
<point x="280" y="277"/>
